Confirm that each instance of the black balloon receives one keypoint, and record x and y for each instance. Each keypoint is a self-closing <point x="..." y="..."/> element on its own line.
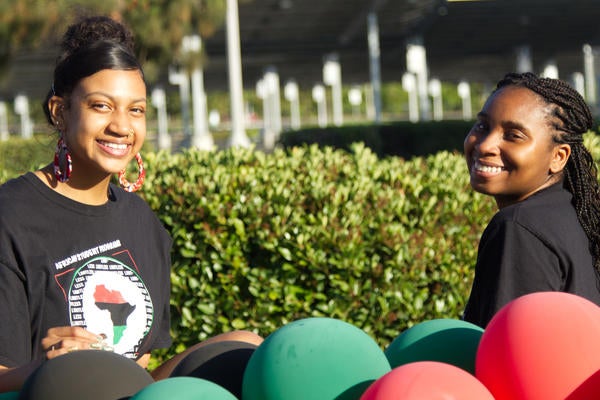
<point x="223" y="363"/>
<point x="86" y="374"/>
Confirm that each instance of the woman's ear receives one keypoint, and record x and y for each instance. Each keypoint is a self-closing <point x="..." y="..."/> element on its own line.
<point x="560" y="156"/>
<point x="56" y="106"/>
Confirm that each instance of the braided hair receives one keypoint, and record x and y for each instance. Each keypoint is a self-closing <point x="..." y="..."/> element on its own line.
<point x="572" y="118"/>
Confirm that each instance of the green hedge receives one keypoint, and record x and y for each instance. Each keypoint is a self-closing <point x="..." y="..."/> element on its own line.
<point x="261" y="240"/>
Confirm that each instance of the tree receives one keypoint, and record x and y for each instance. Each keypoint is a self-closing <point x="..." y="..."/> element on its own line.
<point x="158" y="25"/>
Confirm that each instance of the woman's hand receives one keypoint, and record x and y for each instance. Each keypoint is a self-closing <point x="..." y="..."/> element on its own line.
<point x="65" y="339"/>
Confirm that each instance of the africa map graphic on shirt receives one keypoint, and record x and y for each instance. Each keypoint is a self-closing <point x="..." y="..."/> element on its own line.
<point x="108" y="297"/>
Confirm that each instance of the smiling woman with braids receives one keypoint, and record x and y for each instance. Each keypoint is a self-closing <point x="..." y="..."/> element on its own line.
<point x="526" y="150"/>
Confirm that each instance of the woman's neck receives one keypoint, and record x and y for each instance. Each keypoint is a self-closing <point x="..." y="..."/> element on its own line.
<point x="91" y="192"/>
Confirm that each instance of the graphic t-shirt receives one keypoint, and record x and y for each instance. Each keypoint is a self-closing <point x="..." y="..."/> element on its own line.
<point x="105" y="268"/>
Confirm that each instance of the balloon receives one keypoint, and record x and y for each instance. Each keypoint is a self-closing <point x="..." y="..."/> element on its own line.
<point x="314" y="358"/>
<point x="223" y="363"/>
<point x="542" y="345"/>
<point x="450" y="341"/>
<point x="86" y="374"/>
<point x="429" y="380"/>
<point x="183" y="388"/>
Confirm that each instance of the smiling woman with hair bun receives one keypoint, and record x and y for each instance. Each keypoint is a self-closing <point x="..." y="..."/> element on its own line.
<point x="84" y="263"/>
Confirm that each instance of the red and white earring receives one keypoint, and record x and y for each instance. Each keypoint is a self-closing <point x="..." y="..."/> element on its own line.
<point x="132" y="187"/>
<point x="63" y="166"/>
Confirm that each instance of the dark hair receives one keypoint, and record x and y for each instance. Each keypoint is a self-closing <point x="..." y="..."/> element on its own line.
<point x="91" y="45"/>
<point x="572" y="119"/>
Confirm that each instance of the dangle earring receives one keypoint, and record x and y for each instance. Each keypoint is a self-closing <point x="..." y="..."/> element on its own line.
<point x="132" y="187"/>
<point x="63" y="165"/>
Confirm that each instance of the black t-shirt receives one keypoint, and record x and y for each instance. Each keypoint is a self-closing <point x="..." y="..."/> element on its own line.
<point x="106" y="268"/>
<point x="532" y="246"/>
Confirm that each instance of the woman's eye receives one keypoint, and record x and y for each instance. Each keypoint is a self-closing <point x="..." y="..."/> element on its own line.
<point x="101" y="106"/>
<point x="513" y="135"/>
<point x="479" y="126"/>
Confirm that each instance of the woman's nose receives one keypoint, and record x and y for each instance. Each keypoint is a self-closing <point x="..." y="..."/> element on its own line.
<point x="488" y="143"/>
<point x="120" y="124"/>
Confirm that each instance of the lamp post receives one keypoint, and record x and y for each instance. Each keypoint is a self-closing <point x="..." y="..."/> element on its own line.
<point x="160" y="103"/>
<point x="318" y="95"/>
<point x="22" y="109"/>
<point x="180" y="79"/>
<point x="435" y="91"/>
<point x="374" y="63"/>
<point x="578" y="82"/>
<point x="191" y="47"/>
<point x="332" y="76"/>
<point x="464" y="92"/>
<point x="214" y="119"/>
<point x="271" y="79"/>
<point x="236" y="94"/>
<point x="524" y="62"/>
<point x="291" y="94"/>
<point x="409" y="84"/>
<point x="3" y="121"/>
<point x="550" y="70"/>
<point x="416" y="63"/>
<point x="355" y="99"/>
<point x="590" y="74"/>
<point x="261" y="93"/>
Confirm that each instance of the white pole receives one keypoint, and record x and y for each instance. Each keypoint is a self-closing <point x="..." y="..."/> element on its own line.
<point x="201" y="139"/>
<point x="159" y="101"/>
<point x="236" y="93"/>
<point x="550" y="70"/>
<point x="271" y="79"/>
<point x="355" y="100"/>
<point x="375" y="68"/>
<point x="268" y="137"/>
<point x="291" y="93"/>
<point x="464" y="91"/>
<point x="3" y="121"/>
<point x="318" y="94"/>
<point x="435" y="91"/>
<point x="332" y="75"/>
<point x="579" y="83"/>
<point x="181" y="79"/>
<point x="191" y="46"/>
<point x="22" y="109"/>
<point x="409" y="84"/>
<point x="524" y="62"/>
<point x="590" y="75"/>
<point x="416" y="63"/>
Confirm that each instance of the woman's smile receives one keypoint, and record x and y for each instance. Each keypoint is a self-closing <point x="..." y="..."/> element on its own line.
<point x="115" y="149"/>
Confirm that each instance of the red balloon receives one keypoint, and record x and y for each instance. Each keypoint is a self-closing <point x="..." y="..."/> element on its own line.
<point x="542" y="346"/>
<point x="431" y="380"/>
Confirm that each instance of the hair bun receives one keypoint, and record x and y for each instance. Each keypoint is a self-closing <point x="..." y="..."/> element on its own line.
<point x="93" y="29"/>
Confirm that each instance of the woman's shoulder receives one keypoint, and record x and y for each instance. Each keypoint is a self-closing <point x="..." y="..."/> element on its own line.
<point x="129" y="199"/>
<point x="15" y="190"/>
<point x="548" y="212"/>
<point x="543" y="204"/>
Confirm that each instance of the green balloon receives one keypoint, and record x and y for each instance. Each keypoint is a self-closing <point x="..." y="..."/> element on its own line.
<point x="9" y="396"/>
<point x="183" y="388"/>
<point x="451" y="341"/>
<point x="314" y="358"/>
